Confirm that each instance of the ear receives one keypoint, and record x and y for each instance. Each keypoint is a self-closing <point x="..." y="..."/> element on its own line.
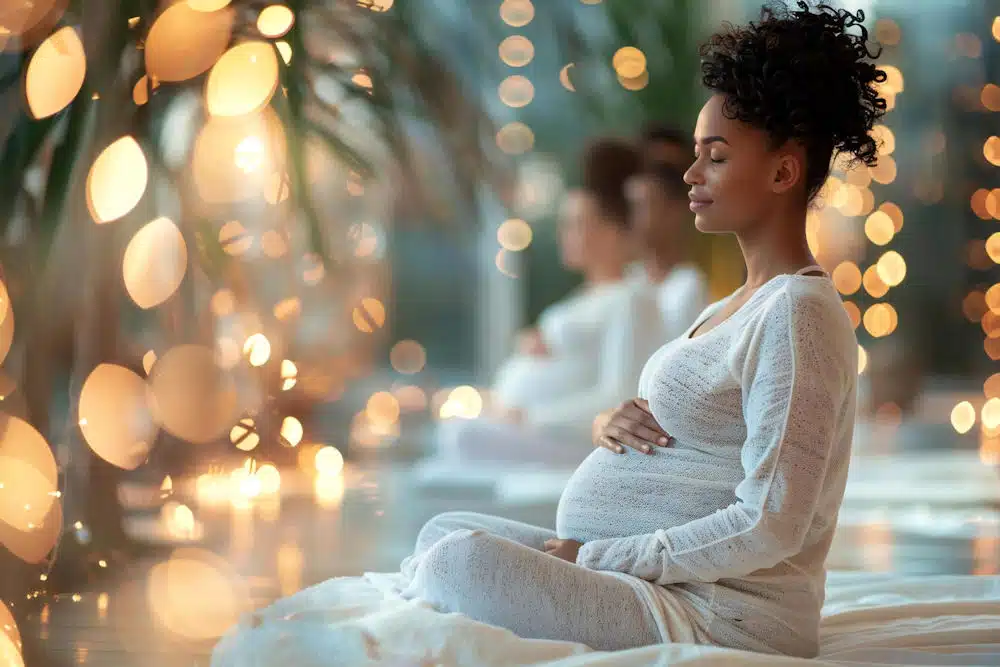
<point x="788" y="172"/>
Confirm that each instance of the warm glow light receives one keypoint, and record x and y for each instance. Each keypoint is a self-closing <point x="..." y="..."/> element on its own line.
<point x="185" y="42"/>
<point x="148" y="360"/>
<point x="208" y="5"/>
<point x="289" y="373"/>
<point x="514" y="234"/>
<point x="638" y="83"/>
<point x="291" y="431"/>
<point x="285" y="49"/>
<point x="117" y="180"/>
<point x="629" y="62"/>
<point x="564" y="78"/>
<point x="991" y="388"/>
<point x="463" y="402"/>
<point x="991" y="151"/>
<point x="515" y="138"/>
<point x="983" y="203"/>
<point x="996" y="28"/>
<point x="288" y="308"/>
<point x="884" y="171"/>
<point x="154" y="263"/>
<point x="114" y="417"/>
<point x="517" y="51"/>
<point x="895" y="213"/>
<point x="408" y="357"/>
<point x="269" y="478"/>
<point x="894" y="79"/>
<point x="191" y="397"/>
<point x="862" y="360"/>
<point x="891" y="268"/>
<point x="873" y="283"/>
<point x="196" y="595"/>
<point x="990" y="97"/>
<point x="382" y="408"/>
<point x="234" y="239"/>
<point x="369" y="315"/>
<point x="29" y="478"/>
<point x="55" y="74"/>
<point x="275" y="21"/>
<point x="243" y="80"/>
<point x="885" y="139"/>
<point x="963" y="417"/>
<point x="516" y="91"/>
<point x="329" y="461"/>
<point x="258" y="349"/>
<point x="887" y="32"/>
<point x="993" y="247"/>
<point x="879" y="228"/>
<point x="880" y="320"/>
<point x="244" y="435"/>
<point x="235" y="157"/>
<point x="329" y="490"/>
<point x="517" y="13"/>
<point x="853" y="313"/>
<point x="847" y="278"/>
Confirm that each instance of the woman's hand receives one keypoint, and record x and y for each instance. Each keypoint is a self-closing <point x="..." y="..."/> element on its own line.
<point x="564" y="549"/>
<point x="629" y="425"/>
<point x="530" y="343"/>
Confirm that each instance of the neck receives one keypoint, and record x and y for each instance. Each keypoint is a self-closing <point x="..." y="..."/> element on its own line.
<point x="775" y="248"/>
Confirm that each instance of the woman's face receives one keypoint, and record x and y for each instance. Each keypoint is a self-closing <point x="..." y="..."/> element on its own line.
<point x="583" y="234"/>
<point x="736" y="175"/>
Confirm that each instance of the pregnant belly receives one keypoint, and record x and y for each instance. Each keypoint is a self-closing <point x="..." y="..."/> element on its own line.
<point x="619" y="495"/>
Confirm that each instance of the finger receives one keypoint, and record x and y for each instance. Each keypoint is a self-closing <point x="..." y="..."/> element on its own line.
<point x="629" y="440"/>
<point x="655" y="435"/>
<point x="551" y="544"/>
<point x="608" y="443"/>
<point x="643" y="405"/>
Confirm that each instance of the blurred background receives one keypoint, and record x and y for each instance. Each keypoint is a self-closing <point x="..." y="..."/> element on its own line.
<point x="254" y="254"/>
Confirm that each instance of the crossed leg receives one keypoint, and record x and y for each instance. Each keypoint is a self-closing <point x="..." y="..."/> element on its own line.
<point x="493" y="570"/>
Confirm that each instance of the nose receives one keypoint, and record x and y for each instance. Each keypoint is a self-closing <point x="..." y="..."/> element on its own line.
<point x="693" y="175"/>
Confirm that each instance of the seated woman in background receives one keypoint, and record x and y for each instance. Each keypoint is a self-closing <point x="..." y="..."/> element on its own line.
<point x="662" y="226"/>
<point x="708" y="512"/>
<point x="587" y="350"/>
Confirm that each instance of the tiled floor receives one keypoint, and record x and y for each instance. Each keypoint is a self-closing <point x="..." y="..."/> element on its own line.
<point x="278" y="547"/>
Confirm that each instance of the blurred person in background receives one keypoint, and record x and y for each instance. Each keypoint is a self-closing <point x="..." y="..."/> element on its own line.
<point x="587" y="350"/>
<point x="663" y="226"/>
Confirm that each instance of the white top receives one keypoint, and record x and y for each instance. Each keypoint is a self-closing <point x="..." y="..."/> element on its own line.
<point x="739" y="512"/>
<point x="681" y="296"/>
<point x="598" y="339"/>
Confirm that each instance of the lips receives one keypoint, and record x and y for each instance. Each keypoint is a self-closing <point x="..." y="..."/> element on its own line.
<point x="699" y="203"/>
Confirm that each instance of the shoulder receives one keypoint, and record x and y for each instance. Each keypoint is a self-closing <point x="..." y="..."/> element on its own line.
<point x="810" y="314"/>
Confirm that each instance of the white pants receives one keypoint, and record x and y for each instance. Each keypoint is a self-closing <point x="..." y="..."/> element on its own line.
<point x="493" y="570"/>
<point x="479" y="441"/>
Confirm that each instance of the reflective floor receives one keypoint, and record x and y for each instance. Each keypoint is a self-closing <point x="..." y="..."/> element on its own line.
<point x="244" y="554"/>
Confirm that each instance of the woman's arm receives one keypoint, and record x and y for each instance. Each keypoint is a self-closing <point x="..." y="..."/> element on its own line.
<point x="633" y="332"/>
<point x="796" y="385"/>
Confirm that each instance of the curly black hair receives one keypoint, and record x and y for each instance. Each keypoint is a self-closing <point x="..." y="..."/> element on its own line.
<point x="800" y="74"/>
<point x="607" y="164"/>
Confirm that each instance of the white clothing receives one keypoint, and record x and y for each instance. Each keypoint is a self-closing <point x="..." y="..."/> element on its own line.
<point x="729" y="527"/>
<point x="495" y="571"/>
<point x="736" y="517"/>
<point x="464" y="442"/>
<point x="681" y="296"/>
<point x="598" y="341"/>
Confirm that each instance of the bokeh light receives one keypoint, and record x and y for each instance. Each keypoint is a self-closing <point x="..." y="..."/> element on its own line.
<point x="891" y="268"/>
<point x="243" y="80"/>
<point x="879" y="228"/>
<point x="369" y="315"/>
<point x="114" y="416"/>
<point x="10" y="639"/>
<point x="274" y="21"/>
<point x="328" y="461"/>
<point x="382" y="408"/>
<point x="990" y="97"/>
<point x="873" y="283"/>
<point x="516" y="91"/>
<point x="884" y="171"/>
<point x="629" y="62"/>
<point x="289" y="374"/>
<point x="464" y="402"/>
<point x="963" y="417"/>
<point x="847" y="277"/>
<point x="117" y="180"/>
<point x="514" y="234"/>
<point x="880" y="320"/>
<point x="516" y="50"/>
<point x="55" y="73"/>
<point x="191" y="397"/>
<point x="244" y="435"/>
<point x="564" y="79"/>
<point x="517" y="13"/>
<point x="185" y="42"/>
<point x="154" y="263"/>
<point x="140" y="93"/>
<point x="235" y="157"/>
<point x="638" y="83"/>
<point x="853" y="313"/>
<point x="887" y="32"/>
<point x="196" y="595"/>
<point x="991" y="151"/>
<point x="515" y="138"/>
<point x="408" y="357"/>
<point x="257" y="349"/>
<point x="291" y="431"/>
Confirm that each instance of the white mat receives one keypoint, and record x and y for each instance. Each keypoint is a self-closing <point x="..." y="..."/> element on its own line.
<point x="869" y="620"/>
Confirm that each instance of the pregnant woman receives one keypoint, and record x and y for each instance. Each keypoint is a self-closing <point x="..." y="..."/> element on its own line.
<point x="707" y="514"/>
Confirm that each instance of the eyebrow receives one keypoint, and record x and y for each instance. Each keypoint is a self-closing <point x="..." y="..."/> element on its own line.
<point x="711" y="140"/>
